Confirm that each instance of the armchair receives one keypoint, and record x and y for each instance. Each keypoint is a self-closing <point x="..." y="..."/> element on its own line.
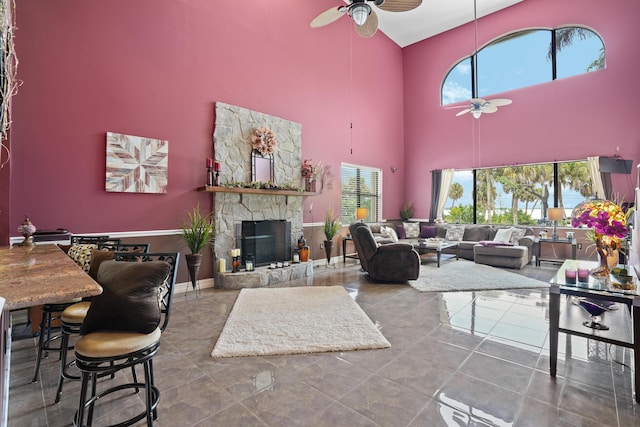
<point x="393" y="262"/>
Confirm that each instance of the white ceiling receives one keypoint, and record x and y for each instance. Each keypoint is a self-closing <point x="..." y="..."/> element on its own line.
<point x="433" y="17"/>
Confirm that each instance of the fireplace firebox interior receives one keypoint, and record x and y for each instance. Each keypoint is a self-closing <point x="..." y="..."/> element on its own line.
<point x="267" y="241"/>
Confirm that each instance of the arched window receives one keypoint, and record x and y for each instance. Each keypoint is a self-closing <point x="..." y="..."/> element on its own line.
<point x="524" y="58"/>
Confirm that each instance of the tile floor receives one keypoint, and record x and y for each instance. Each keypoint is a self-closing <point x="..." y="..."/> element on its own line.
<point x="457" y="359"/>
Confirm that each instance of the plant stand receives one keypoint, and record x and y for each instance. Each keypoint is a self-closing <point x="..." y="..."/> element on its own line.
<point x="193" y="265"/>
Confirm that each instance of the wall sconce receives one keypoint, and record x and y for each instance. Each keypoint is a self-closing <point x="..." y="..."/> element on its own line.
<point x="555" y="215"/>
<point x="362" y="213"/>
<point x="393" y="169"/>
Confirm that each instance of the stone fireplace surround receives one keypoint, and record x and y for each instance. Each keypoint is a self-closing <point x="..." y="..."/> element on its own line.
<point x="232" y="148"/>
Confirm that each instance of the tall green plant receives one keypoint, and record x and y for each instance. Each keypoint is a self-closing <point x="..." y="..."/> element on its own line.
<point x="331" y="225"/>
<point x="198" y="230"/>
<point x="407" y="211"/>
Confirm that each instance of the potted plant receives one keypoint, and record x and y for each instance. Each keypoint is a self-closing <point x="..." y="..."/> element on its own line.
<point x="406" y="212"/>
<point x="198" y="231"/>
<point x="331" y="227"/>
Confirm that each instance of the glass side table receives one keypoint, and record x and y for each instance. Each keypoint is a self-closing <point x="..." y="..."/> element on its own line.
<point x="566" y="317"/>
<point x="539" y="241"/>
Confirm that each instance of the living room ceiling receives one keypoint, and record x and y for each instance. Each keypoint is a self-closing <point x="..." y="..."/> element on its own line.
<point x="433" y="17"/>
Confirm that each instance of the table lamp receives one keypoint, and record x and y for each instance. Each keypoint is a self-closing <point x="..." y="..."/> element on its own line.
<point x="362" y="214"/>
<point x="555" y="215"/>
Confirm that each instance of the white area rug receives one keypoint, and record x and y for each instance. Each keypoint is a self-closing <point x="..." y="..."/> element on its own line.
<point x="296" y="320"/>
<point x="463" y="275"/>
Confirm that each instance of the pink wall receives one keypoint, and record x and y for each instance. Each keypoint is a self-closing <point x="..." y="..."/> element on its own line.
<point x="569" y="119"/>
<point x="155" y="69"/>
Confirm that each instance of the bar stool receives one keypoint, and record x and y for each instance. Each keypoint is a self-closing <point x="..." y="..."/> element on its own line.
<point x="114" y="341"/>
<point x="80" y="251"/>
<point x="73" y="315"/>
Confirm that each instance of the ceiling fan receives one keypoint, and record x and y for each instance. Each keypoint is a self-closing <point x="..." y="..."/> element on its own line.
<point x="363" y="15"/>
<point x="479" y="106"/>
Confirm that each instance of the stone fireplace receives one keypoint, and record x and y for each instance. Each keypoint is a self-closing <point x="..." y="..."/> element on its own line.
<point x="232" y="147"/>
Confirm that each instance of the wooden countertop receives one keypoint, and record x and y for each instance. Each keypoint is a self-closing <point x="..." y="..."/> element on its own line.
<point x="41" y="274"/>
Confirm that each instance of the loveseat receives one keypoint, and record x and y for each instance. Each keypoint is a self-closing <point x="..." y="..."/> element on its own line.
<point x="476" y="242"/>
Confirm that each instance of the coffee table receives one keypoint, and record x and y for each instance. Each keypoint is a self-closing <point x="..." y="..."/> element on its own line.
<point x="624" y="323"/>
<point x="437" y="249"/>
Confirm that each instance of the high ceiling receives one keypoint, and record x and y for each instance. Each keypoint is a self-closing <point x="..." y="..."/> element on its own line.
<point x="433" y="17"/>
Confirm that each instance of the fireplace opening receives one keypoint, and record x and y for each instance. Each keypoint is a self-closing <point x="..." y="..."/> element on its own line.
<point x="268" y="241"/>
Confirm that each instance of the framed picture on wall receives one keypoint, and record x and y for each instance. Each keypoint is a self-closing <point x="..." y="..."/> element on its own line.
<point x="136" y="164"/>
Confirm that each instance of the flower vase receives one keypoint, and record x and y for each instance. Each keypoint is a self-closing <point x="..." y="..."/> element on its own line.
<point x="309" y="185"/>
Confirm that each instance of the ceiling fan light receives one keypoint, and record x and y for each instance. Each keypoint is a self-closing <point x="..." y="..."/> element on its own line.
<point x="359" y="13"/>
<point x="476" y="113"/>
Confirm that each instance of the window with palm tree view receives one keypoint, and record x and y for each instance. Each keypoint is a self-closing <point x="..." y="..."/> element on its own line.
<point x="517" y="194"/>
<point x="361" y="188"/>
<point x="524" y="58"/>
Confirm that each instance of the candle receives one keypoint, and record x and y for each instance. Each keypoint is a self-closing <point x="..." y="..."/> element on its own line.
<point x="210" y="163"/>
<point x="296" y="257"/>
<point x="222" y="265"/>
<point x="570" y="276"/>
<point x="217" y="166"/>
<point x="249" y="265"/>
<point x="583" y="274"/>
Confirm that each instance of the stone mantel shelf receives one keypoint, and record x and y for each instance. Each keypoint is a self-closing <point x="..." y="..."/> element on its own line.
<point x="242" y="190"/>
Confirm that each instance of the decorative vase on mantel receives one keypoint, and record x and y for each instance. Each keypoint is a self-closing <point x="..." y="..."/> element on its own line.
<point x="608" y="256"/>
<point x="310" y="185"/>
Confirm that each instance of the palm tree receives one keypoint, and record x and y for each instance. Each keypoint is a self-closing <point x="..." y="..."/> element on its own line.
<point x="455" y="192"/>
<point x="565" y="38"/>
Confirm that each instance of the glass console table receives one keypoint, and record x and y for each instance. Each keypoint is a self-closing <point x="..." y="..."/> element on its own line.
<point x="564" y="316"/>
<point x="539" y="241"/>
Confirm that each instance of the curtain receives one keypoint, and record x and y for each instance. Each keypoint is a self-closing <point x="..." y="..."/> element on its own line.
<point x="445" y="185"/>
<point x="596" y="179"/>
<point x="436" y="177"/>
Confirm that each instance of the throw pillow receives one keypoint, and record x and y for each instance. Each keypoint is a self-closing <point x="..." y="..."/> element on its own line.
<point x="130" y="298"/>
<point x="427" y="231"/>
<point x="400" y="231"/>
<point x="97" y="257"/>
<point x="389" y="232"/>
<point x="503" y="235"/>
<point x="411" y="229"/>
<point x="516" y="235"/>
<point x="455" y="233"/>
<point x="81" y="254"/>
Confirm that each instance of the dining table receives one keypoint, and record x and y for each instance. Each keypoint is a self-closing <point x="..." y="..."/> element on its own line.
<point x="30" y="276"/>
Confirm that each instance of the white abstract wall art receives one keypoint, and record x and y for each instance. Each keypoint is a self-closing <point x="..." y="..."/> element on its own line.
<point x="136" y="164"/>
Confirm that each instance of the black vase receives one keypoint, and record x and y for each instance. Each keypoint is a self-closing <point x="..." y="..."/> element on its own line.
<point x="193" y="265"/>
<point x="328" y="247"/>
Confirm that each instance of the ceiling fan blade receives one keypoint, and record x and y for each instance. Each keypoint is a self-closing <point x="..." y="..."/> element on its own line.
<point x="399" y="5"/>
<point x="489" y="109"/>
<point x="499" y="102"/>
<point x="370" y="26"/>
<point x="457" y="106"/>
<point x="465" y="111"/>
<point x="328" y="16"/>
